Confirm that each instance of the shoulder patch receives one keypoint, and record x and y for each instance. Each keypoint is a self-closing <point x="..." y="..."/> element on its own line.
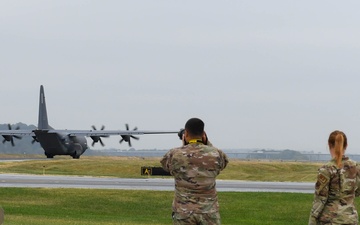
<point x="322" y="179"/>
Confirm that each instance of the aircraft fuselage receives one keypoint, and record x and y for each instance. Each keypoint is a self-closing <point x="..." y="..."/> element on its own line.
<point x="61" y="144"/>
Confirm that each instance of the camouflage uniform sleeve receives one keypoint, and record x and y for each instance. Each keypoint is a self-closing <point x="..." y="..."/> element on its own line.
<point x="166" y="161"/>
<point x="224" y="160"/>
<point x="312" y="221"/>
<point x="357" y="192"/>
<point x="321" y="194"/>
<point x="223" y="157"/>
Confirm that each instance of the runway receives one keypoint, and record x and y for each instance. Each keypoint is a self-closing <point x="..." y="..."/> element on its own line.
<point x="158" y="184"/>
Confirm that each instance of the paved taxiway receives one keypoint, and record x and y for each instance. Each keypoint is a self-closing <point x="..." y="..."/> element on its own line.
<point x="46" y="181"/>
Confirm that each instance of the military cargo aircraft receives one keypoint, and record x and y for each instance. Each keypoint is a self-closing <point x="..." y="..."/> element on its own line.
<point x="68" y="142"/>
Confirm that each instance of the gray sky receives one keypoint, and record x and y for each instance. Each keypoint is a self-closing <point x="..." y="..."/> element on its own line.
<point x="261" y="74"/>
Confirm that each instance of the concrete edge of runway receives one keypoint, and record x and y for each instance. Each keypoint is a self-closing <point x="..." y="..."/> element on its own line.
<point x="146" y="183"/>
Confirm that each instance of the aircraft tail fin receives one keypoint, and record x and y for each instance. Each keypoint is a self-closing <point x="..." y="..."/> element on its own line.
<point x="43" y="119"/>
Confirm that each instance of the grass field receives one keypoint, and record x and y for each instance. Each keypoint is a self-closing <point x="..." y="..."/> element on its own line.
<point x="40" y="206"/>
<point x="89" y="207"/>
<point x="129" y="167"/>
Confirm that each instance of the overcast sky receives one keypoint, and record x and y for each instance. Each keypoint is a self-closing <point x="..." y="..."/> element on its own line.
<point x="261" y="74"/>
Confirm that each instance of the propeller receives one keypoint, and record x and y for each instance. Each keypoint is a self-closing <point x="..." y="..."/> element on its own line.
<point x="97" y="138"/>
<point x="11" y="137"/>
<point x="34" y="140"/>
<point x="127" y="138"/>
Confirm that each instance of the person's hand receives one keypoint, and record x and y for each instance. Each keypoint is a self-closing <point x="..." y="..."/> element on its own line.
<point x="183" y="140"/>
<point x="181" y="133"/>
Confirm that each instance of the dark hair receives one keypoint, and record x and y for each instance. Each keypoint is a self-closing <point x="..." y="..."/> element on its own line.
<point x="338" y="141"/>
<point x="195" y="127"/>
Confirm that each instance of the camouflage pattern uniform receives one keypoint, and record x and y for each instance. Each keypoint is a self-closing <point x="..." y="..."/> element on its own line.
<point x="335" y="191"/>
<point x="195" y="167"/>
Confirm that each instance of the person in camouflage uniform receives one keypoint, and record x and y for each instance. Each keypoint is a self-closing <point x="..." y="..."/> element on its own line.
<point x="195" y="166"/>
<point x="338" y="183"/>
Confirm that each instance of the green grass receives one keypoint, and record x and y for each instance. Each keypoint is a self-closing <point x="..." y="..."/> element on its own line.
<point x="265" y="208"/>
<point x="86" y="206"/>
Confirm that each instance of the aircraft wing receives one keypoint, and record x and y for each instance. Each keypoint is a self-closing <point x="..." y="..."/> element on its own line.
<point x="17" y="132"/>
<point x="9" y="135"/>
<point x="90" y="133"/>
<point x="87" y="133"/>
<point x="96" y="135"/>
